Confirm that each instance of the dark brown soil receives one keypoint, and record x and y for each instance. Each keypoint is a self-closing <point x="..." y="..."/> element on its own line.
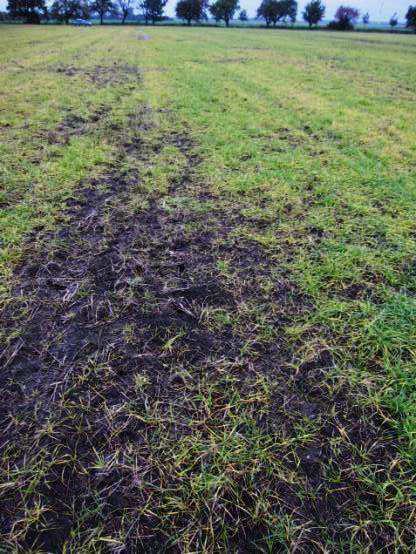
<point x="74" y="124"/>
<point x="103" y="75"/>
<point x="123" y="327"/>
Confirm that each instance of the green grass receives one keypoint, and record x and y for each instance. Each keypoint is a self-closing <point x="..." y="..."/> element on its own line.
<point x="304" y="146"/>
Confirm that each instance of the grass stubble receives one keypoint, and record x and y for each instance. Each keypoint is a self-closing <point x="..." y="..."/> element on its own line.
<point x="171" y="383"/>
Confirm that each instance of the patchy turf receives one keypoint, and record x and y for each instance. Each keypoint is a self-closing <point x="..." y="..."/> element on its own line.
<point x="191" y="361"/>
<point x="149" y="367"/>
<point x="103" y="75"/>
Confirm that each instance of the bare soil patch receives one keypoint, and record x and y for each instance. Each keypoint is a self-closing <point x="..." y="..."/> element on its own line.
<point x="74" y="124"/>
<point x="102" y="75"/>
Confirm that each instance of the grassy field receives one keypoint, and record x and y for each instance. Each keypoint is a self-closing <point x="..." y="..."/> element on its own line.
<point x="208" y="277"/>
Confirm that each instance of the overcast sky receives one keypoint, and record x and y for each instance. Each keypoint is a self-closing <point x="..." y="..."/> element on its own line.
<point x="380" y="10"/>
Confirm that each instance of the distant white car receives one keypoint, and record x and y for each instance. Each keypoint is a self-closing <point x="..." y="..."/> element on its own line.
<point x="81" y="23"/>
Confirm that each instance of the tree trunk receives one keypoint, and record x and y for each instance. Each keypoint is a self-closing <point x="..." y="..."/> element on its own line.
<point x="101" y="18"/>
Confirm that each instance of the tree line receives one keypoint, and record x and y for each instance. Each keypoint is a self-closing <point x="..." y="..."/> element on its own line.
<point x="271" y="12"/>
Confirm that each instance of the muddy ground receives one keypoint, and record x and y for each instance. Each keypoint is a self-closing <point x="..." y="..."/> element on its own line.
<point x="150" y="392"/>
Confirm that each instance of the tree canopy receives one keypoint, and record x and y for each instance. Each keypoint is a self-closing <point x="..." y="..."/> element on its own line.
<point x="65" y="10"/>
<point x="314" y="12"/>
<point x="273" y="11"/>
<point x="102" y="8"/>
<point x="224" y="10"/>
<point x="394" y="20"/>
<point x="126" y="7"/>
<point x="411" y="17"/>
<point x="243" y="15"/>
<point x="345" y="18"/>
<point x="153" y="9"/>
<point x="31" y="11"/>
<point x="191" y="10"/>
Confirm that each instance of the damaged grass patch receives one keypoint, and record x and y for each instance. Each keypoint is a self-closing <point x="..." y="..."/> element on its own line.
<point x="152" y="395"/>
<point x="211" y="346"/>
<point x="103" y="75"/>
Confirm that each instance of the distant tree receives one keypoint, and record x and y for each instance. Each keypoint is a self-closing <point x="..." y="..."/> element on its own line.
<point x="243" y="16"/>
<point x="191" y="10"/>
<point x="273" y="11"/>
<point x="125" y="7"/>
<point x="153" y="10"/>
<point x="268" y="10"/>
<point x="102" y="8"/>
<point x="394" y="21"/>
<point x="411" y="18"/>
<point x="85" y="9"/>
<point x="184" y="10"/>
<point x="30" y="11"/>
<point x="366" y="18"/>
<point x="224" y="10"/>
<point x="345" y="19"/>
<point x="45" y="14"/>
<point x="291" y="9"/>
<point x="65" y="10"/>
<point x="314" y="12"/>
